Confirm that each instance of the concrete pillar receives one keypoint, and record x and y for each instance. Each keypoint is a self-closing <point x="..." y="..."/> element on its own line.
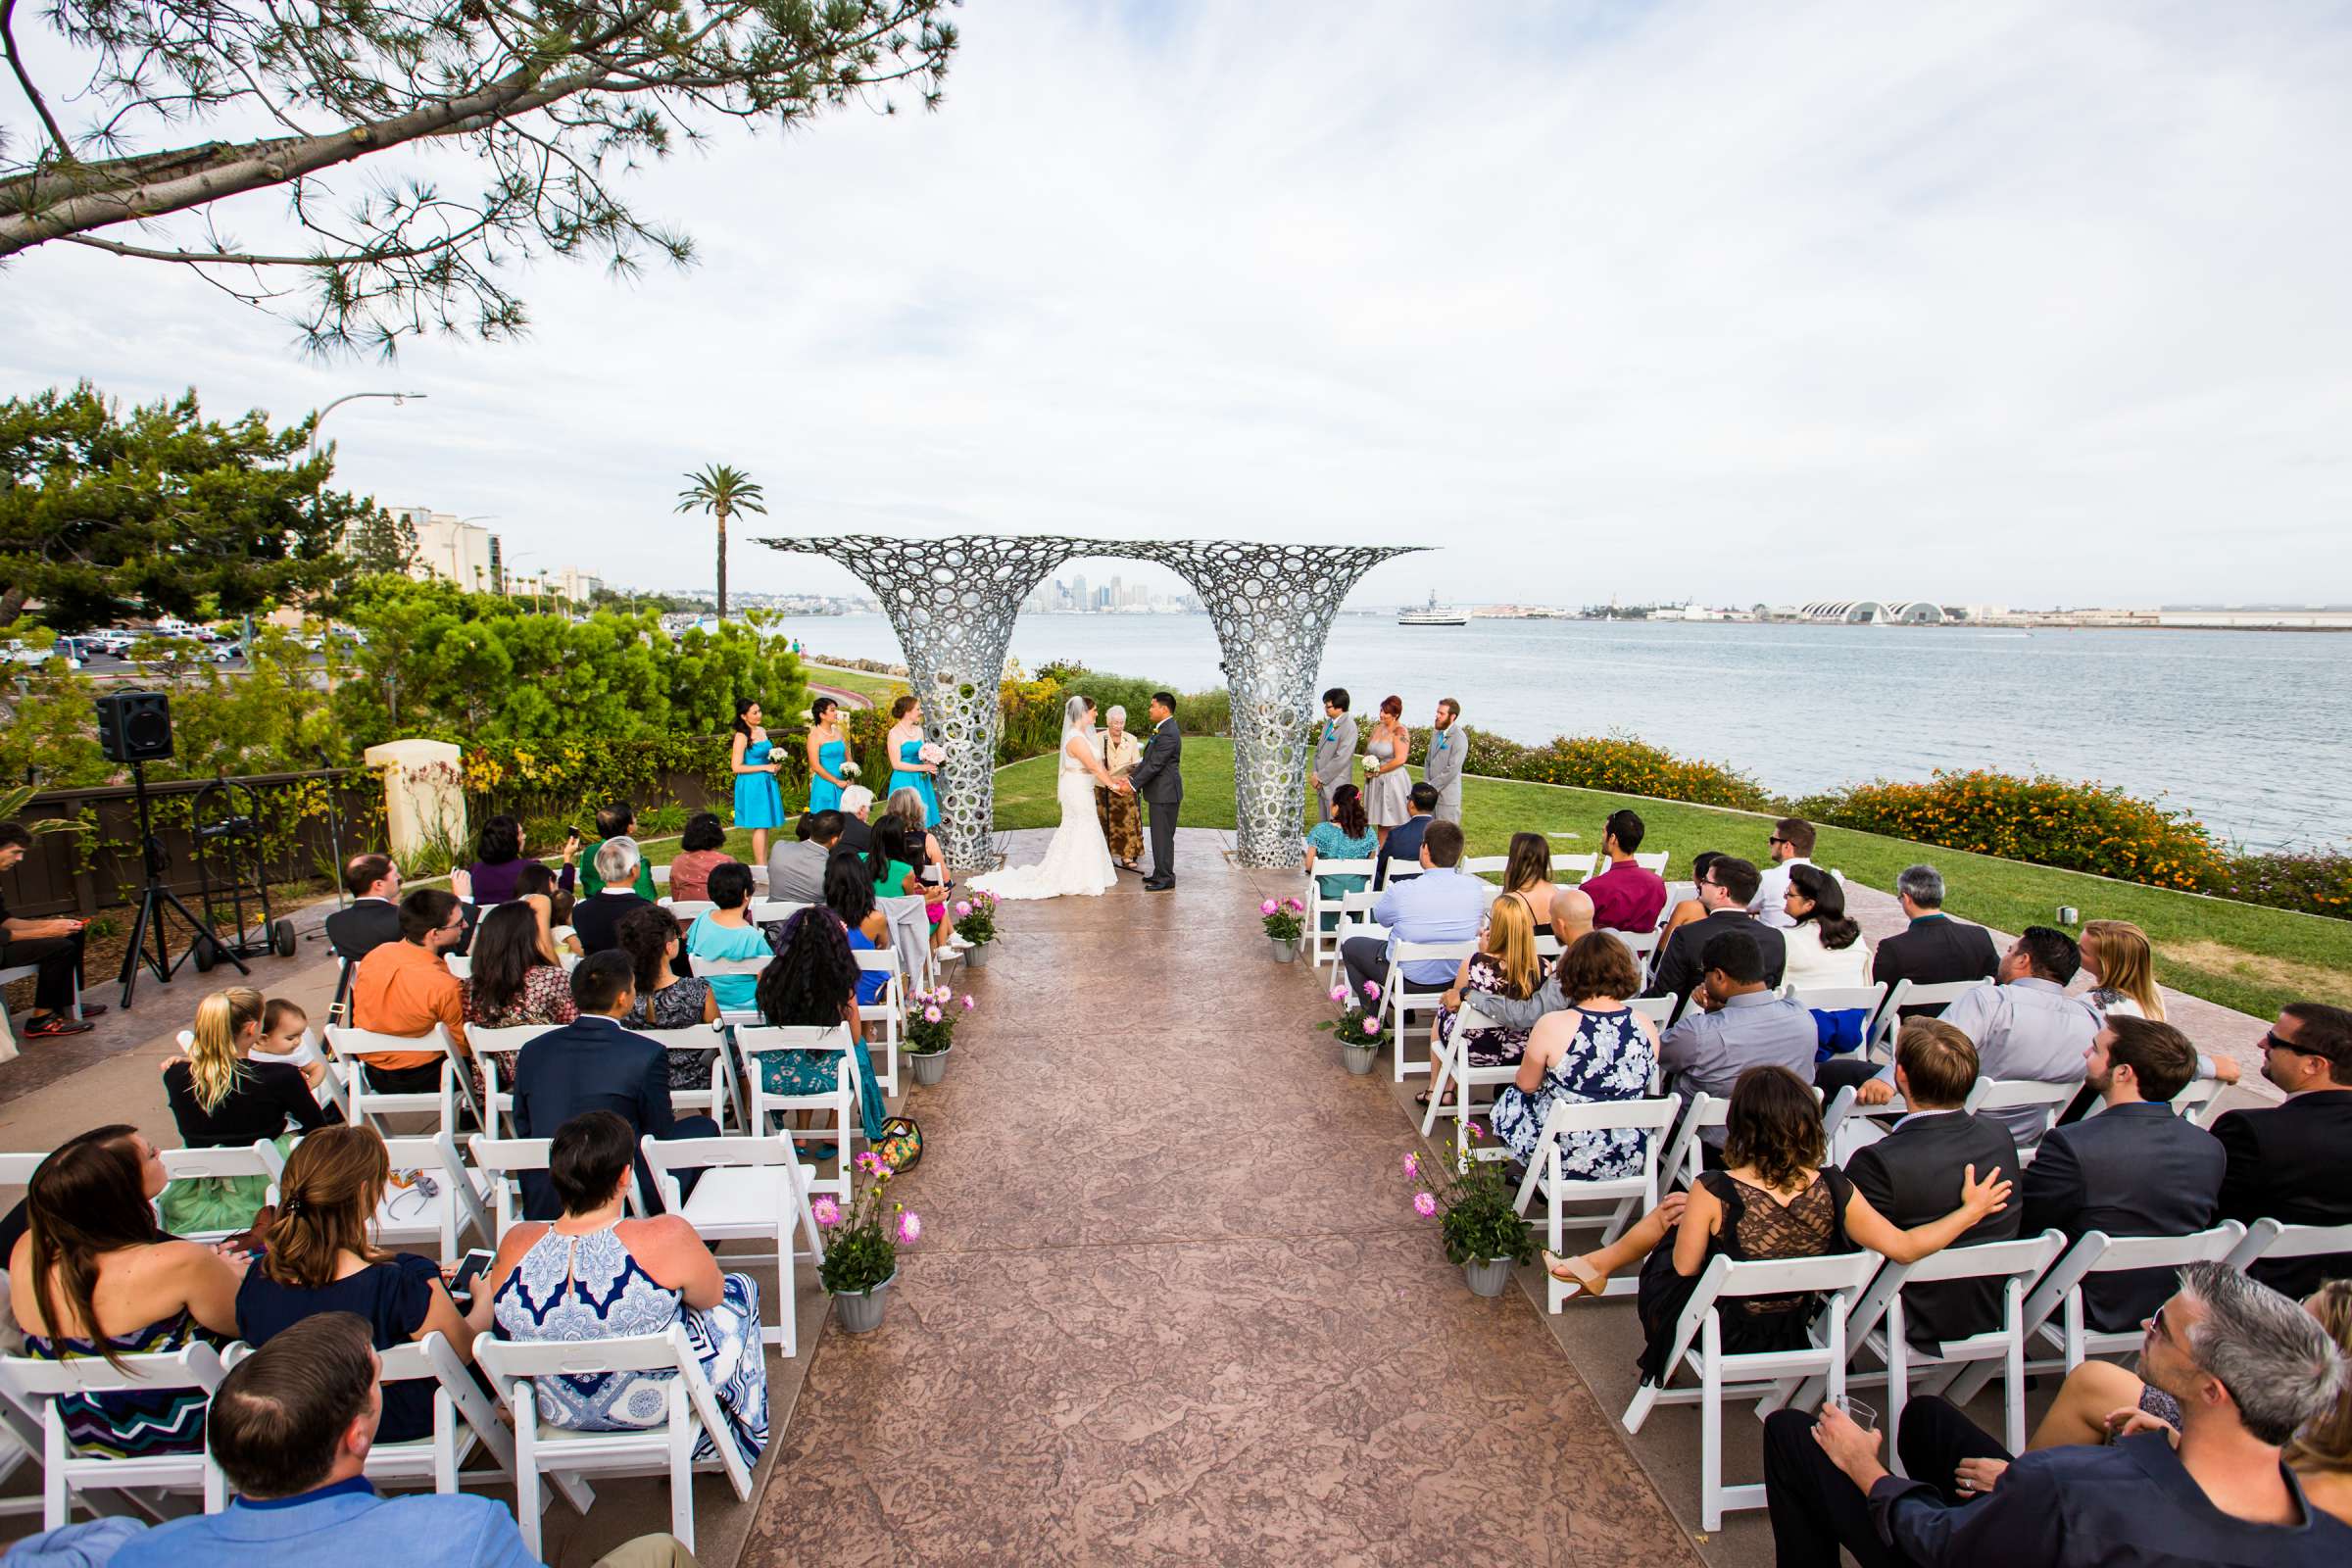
<point x="424" y="797"/>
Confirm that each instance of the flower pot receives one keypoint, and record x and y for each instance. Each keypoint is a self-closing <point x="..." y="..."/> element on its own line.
<point x="930" y="1067"/>
<point x="1488" y="1276"/>
<point x="1286" y="949"/>
<point x="1359" y="1058"/>
<point x="977" y="958"/>
<point x="860" y="1311"/>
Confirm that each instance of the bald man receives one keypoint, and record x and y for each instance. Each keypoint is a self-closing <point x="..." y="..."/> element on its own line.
<point x="1571" y="916"/>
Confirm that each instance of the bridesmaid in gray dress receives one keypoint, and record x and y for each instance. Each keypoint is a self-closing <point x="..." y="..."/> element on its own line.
<point x="1387" y="783"/>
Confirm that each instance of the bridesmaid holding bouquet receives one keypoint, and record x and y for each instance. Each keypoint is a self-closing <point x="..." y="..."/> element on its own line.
<point x="913" y="762"/>
<point x="759" y="802"/>
<point x="829" y="766"/>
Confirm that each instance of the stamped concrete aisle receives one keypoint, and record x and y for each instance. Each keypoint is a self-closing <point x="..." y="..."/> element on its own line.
<point x="1172" y="1303"/>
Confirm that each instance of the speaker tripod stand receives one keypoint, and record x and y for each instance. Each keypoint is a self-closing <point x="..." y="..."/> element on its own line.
<point x="155" y="900"/>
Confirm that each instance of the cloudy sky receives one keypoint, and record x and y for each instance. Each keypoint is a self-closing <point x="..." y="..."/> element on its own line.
<point x="2005" y="301"/>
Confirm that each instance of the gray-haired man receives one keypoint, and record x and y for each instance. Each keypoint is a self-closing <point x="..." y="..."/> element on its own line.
<point x="1334" y="749"/>
<point x="1449" y="750"/>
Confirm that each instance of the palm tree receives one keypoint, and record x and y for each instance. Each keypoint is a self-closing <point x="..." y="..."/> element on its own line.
<point x="722" y="492"/>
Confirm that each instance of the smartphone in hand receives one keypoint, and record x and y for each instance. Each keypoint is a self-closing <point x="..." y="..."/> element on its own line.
<point x="471" y="1267"/>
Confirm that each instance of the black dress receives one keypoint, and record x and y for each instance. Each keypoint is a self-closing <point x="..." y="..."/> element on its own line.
<point x="394" y="1297"/>
<point x="1812" y="1224"/>
<point x="267" y="1096"/>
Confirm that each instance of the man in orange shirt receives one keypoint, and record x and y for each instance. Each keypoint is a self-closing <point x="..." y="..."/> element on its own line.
<point x="405" y="988"/>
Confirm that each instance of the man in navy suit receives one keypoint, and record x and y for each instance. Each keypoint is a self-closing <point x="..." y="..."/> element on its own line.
<point x="2134" y="1169"/>
<point x="593" y="1063"/>
<point x="2286" y="1162"/>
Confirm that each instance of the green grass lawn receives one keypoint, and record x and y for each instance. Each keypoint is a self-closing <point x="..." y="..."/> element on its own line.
<point x="876" y="689"/>
<point x="2239" y="955"/>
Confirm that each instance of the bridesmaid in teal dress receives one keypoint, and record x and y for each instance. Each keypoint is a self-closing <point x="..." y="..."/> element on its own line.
<point x="828" y="756"/>
<point x="759" y="802"/>
<point x="911" y="773"/>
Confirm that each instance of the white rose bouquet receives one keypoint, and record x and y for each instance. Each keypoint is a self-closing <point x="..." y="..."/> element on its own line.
<point x="932" y="752"/>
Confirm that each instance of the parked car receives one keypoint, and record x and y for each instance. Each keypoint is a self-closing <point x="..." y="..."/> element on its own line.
<point x="223" y="653"/>
<point x="19" y="652"/>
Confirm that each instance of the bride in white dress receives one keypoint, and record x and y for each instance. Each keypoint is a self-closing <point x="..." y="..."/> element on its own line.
<point x="1078" y="860"/>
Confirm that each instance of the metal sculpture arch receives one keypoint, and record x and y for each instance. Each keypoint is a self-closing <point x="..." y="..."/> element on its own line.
<point x="952" y="602"/>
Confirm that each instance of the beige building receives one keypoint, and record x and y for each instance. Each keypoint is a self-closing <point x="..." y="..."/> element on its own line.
<point x="454" y="550"/>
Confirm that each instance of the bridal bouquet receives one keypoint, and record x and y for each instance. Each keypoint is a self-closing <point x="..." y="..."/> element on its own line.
<point x="1281" y="918"/>
<point x="931" y="1020"/>
<point x="931" y="752"/>
<point x="976" y="919"/>
<point x="849" y="770"/>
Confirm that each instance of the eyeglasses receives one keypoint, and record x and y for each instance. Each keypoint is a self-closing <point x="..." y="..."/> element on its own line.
<point x="1775" y="839"/>
<point x="2272" y="1042"/>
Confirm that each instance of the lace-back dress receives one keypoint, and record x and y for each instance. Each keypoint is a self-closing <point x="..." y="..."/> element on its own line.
<point x="1755" y="1227"/>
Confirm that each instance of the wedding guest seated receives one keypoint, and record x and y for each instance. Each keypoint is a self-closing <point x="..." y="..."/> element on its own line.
<point x="1596" y="1049"/>
<point x="1571" y="916"/>
<point x="1935" y="948"/>
<point x="593" y="1273"/>
<point x="595" y="918"/>
<point x="702" y="847"/>
<point x="1505" y="964"/>
<point x="1527" y="878"/>
<point x="2287" y="1163"/>
<point x="795" y="872"/>
<point x="667" y="998"/>
<point x="2024" y="1025"/>
<point x="1403" y="845"/>
<point x="1693" y="908"/>
<point x="891" y="863"/>
<point x="907" y="804"/>
<point x="725" y="933"/>
<point x="2121" y="965"/>
<point x="92" y="1277"/>
<point x="516" y="980"/>
<point x="551" y="905"/>
<point x="1725" y="888"/>
<point x="1776" y="1196"/>
<point x="52" y="947"/>
<point x="2245" y="1367"/>
<point x="1734" y="1022"/>
<point x="1443" y="904"/>
<point x="222" y="1098"/>
<point x="850" y="895"/>
<point x="1825" y="951"/>
<point x="150" y="1161"/>
<point x="856" y="808"/>
<point x="814" y="984"/>
<point x="499" y="861"/>
<point x="1571" y="922"/>
<point x="319" y="1259"/>
<point x="2136" y="1169"/>
<point x="373" y="917"/>
<point x="1790" y="846"/>
<point x="594" y="1063"/>
<point x="1345" y="835"/>
<point x="405" y="988"/>
<point x="617" y="821"/>
<point x="1910" y="1175"/>
<point x="1625" y="896"/>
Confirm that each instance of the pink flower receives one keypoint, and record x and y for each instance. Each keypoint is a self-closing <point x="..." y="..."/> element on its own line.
<point x="1413" y="1164"/>
<point x="1372" y="1025"/>
<point x="910" y="1228"/>
<point x="871" y="1163"/>
<point x="968" y="1004"/>
<point x="931" y="1014"/>
<point x="1294" y="905"/>
<point x="1338" y="993"/>
<point x="827" y="1212"/>
<point x="964" y="907"/>
<point x="1424" y="1204"/>
<point x="1372" y="990"/>
<point x="1267" y="908"/>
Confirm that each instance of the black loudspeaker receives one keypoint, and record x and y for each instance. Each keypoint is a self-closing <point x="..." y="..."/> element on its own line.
<point x="135" y="726"/>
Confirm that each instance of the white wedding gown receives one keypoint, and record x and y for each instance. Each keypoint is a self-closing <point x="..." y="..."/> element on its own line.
<point x="1077" y="862"/>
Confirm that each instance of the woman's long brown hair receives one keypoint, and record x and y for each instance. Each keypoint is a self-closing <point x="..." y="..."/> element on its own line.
<point x="332" y="1188"/>
<point x="83" y="1201"/>
<point x="1774" y="1125"/>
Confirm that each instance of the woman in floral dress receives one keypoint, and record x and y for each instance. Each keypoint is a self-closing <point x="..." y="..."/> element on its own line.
<point x="1504" y="965"/>
<point x="1597" y="1049"/>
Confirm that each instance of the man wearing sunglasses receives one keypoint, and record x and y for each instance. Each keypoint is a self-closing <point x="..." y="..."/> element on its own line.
<point x="1724" y="889"/>
<point x="2287" y="1163"/>
<point x="2248" y="1367"/>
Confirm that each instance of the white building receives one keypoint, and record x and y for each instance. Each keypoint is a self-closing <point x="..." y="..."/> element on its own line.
<point x="454" y="550"/>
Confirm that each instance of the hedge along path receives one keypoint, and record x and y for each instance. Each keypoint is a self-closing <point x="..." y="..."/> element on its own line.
<point x="2241" y="955"/>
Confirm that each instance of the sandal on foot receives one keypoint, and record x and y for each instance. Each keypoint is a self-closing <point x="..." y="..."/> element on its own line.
<point x="1580" y="1277"/>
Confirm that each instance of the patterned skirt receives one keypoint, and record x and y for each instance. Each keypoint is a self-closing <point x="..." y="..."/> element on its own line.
<point x="1123" y="818"/>
<point x="725" y="1339"/>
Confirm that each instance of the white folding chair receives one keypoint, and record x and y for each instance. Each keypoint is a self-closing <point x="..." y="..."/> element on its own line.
<point x="1653" y="861"/>
<point x="1840" y="1276"/>
<point x="1398" y="1000"/>
<point x="1877" y="1325"/>
<point x="487" y="1044"/>
<point x="774" y="911"/>
<point x="1632" y="1195"/>
<point x="889" y="1009"/>
<point x="751" y="1189"/>
<point x="257" y="1158"/>
<point x="1355" y="920"/>
<point x="37" y="1386"/>
<point x="411" y="1216"/>
<point x="2059" y="1294"/>
<point x="664" y="1451"/>
<point x="688" y="910"/>
<point x="1577" y="869"/>
<point x="1483" y="865"/>
<point x="1686" y="1155"/>
<point x="717" y="1099"/>
<point x="363" y="1104"/>
<point x="1642" y="945"/>
<point x="1319" y="942"/>
<point x="836" y="1105"/>
<point x="1994" y="1094"/>
<point x="709" y="968"/>
<point x="2277" y="1239"/>
<point x="8" y="1030"/>
<point x="1447" y="1066"/>
<point x="1908" y="994"/>
<point x="459" y="965"/>
<point x="501" y="1162"/>
<point x="911" y="933"/>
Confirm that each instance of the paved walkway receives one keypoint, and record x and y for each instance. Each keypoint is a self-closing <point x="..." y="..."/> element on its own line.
<point x="1172" y="1303"/>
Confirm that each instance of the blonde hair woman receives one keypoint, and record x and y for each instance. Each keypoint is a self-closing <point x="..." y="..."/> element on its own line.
<point x="1506" y="964"/>
<point x="222" y="1098"/>
<point x="2115" y="954"/>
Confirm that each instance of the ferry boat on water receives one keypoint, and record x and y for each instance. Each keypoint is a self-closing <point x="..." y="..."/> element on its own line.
<point x="1433" y="615"/>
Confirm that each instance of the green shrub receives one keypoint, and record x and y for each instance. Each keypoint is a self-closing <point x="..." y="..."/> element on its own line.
<point x="1617" y="763"/>
<point x="2315" y="883"/>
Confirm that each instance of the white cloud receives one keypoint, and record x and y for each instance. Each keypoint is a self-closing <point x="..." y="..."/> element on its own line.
<point x="2000" y="302"/>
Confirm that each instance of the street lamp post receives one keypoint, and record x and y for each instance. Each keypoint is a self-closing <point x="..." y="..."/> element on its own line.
<point x="319" y="417"/>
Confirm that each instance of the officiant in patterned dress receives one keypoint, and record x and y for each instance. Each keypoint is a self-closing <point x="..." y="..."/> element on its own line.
<point x="1121" y="813"/>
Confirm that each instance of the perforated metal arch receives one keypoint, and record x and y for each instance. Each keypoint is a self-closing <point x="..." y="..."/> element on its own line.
<point x="954" y="601"/>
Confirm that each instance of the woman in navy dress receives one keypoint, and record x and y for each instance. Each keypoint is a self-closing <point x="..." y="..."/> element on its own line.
<point x="759" y="802"/>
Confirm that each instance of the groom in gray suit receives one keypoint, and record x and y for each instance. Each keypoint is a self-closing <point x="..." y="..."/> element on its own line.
<point x="1334" y="749"/>
<point x="1449" y="750"/>
<point x="1160" y="780"/>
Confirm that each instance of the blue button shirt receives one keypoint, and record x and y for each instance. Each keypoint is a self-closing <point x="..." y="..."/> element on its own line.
<point x="346" y="1522"/>
<point x="1445" y="904"/>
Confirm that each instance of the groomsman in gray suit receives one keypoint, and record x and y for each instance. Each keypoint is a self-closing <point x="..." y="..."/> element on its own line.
<point x="1449" y="750"/>
<point x="1334" y="749"/>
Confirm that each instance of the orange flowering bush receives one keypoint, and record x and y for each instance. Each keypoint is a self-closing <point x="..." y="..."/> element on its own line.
<point x="2049" y="821"/>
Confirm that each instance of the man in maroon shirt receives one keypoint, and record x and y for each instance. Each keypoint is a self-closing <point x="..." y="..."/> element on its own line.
<point x="1625" y="896"/>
